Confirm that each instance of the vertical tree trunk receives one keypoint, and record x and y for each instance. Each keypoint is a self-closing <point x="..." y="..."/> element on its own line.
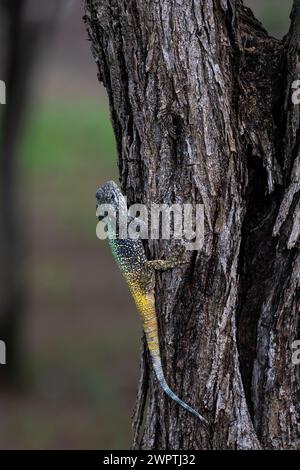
<point x="200" y="100"/>
<point x="18" y="53"/>
<point x="11" y="291"/>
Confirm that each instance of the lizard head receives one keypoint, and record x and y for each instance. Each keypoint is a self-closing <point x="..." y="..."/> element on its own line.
<point x="109" y="193"/>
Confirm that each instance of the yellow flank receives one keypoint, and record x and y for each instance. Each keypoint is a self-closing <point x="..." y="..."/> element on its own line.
<point x="146" y="306"/>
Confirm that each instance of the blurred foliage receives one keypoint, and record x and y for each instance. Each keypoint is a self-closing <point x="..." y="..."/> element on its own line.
<point x="67" y="152"/>
<point x="79" y="397"/>
<point x="67" y="134"/>
<point x="274" y="14"/>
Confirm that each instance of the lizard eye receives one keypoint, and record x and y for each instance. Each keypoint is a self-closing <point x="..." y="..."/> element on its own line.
<point x="99" y="195"/>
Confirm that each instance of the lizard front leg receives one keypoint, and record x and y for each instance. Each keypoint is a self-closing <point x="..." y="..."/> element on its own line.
<point x="164" y="265"/>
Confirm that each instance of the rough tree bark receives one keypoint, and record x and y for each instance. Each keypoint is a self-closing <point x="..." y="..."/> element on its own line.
<point x="200" y="100"/>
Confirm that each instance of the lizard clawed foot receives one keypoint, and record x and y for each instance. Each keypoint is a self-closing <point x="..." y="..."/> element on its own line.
<point x="164" y="265"/>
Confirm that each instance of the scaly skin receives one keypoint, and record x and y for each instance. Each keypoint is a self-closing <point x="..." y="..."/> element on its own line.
<point x="140" y="276"/>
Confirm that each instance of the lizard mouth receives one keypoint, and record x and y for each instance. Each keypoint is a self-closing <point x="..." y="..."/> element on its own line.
<point x="99" y="214"/>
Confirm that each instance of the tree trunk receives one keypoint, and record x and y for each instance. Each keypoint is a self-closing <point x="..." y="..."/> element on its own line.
<point x="200" y="100"/>
<point x="11" y="289"/>
<point x="21" y="37"/>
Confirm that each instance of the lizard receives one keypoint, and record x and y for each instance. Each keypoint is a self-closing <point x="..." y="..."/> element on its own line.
<point x="139" y="274"/>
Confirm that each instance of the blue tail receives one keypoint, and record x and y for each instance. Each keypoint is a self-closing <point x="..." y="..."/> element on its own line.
<point x="160" y="376"/>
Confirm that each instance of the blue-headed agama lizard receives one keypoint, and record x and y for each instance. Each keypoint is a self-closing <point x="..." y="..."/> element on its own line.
<point x="140" y="276"/>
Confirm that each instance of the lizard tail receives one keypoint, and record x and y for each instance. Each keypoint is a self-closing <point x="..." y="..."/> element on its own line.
<point x="146" y="307"/>
<point x="161" y="378"/>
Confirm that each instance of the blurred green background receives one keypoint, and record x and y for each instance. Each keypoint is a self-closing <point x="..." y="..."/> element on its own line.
<point x="82" y="330"/>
